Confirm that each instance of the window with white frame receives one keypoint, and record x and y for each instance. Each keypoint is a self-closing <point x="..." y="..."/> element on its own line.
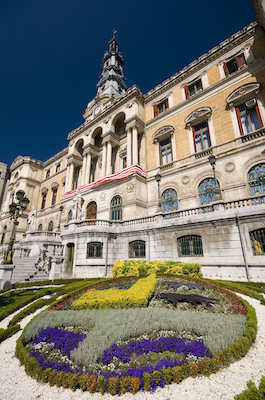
<point x="165" y="151"/>
<point x="116" y="208"/>
<point x="137" y="249"/>
<point x="193" y="88"/>
<point x="163" y="140"/>
<point x="234" y="64"/>
<point x="160" y="107"/>
<point x="201" y="136"/>
<point x="198" y="123"/>
<point x="248" y="116"/>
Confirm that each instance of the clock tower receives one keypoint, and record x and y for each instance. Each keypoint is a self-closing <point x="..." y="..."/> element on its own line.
<point x="112" y="80"/>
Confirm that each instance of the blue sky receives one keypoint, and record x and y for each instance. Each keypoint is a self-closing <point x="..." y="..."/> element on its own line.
<point x="51" y="52"/>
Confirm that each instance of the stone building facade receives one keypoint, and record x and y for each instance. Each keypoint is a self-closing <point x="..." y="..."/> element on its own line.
<point x="135" y="180"/>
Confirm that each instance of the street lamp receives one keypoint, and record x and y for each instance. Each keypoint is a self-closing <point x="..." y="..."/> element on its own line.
<point x="16" y="210"/>
<point x="60" y="215"/>
<point x="158" y="179"/>
<point x="212" y="161"/>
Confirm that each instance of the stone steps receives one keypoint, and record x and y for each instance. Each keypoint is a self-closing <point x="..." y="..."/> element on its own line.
<point x="25" y="270"/>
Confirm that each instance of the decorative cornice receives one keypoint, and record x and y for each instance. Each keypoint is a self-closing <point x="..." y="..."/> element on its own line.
<point x="25" y="160"/>
<point x="201" y="113"/>
<point x="203" y="60"/>
<point x="167" y="130"/>
<point x="244" y="90"/>
<point x="56" y="157"/>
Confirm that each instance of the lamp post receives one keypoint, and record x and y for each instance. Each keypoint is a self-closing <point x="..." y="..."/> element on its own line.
<point x="16" y="210"/>
<point x="158" y="179"/>
<point x="212" y="161"/>
<point x="60" y="215"/>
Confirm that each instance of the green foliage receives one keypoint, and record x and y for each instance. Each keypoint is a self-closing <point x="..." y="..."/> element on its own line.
<point x="143" y="268"/>
<point x="6" y="333"/>
<point x="252" y="393"/>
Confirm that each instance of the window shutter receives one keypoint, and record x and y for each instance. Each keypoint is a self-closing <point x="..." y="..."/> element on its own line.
<point x="226" y="69"/>
<point x="240" y="60"/>
<point x="187" y="92"/>
<point x="239" y="121"/>
<point x="194" y="141"/>
<point x="259" y="116"/>
<point x="166" y="103"/>
<point x="155" y="110"/>
<point x="209" y="134"/>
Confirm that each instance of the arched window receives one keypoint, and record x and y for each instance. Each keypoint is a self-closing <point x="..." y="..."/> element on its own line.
<point x="116" y="208"/>
<point x="258" y="241"/>
<point x="208" y="192"/>
<point x="256" y="180"/>
<point x="190" y="246"/>
<point x="94" y="250"/>
<point x="91" y="210"/>
<point x="70" y="216"/>
<point x="40" y="227"/>
<point x="169" y="200"/>
<point x="50" y="226"/>
<point x="137" y="249"/>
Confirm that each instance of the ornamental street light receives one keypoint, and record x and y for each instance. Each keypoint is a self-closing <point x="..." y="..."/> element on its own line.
<point x="16" y="210"/>
<point x="158" y="179"/>
<point x="212" y="161"/>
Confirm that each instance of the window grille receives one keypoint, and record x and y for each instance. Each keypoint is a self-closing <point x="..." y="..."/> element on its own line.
<point x="70" y="215"/>
<point x="208" y="192"/>
<point x="137" y="249"/>
<point x="40" y="227"/>
<point x="94" y="250"/>
<point x="169" y="200"/>
<point x="50" y="226"/>
<point x="190" y="246"/>
<point x="258" y="241"/>
<point x="256" y="180"/>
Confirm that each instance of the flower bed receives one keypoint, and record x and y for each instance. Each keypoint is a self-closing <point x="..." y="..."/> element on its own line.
<point x="131" y="366"/>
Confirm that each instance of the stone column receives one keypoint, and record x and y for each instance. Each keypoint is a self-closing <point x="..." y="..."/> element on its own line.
<point x="129" y="147"/>
<point x="103" y="169"/>
<point x="109" y="153"/>
<point x="88" y="168"/>
<point x="135" y="145"/>
<point x="83" y="179"/>
<point x="70" y="174"/>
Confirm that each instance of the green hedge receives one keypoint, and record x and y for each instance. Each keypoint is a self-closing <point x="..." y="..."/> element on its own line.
<point x="252" y="393"/>
<point x="6" y="333"/>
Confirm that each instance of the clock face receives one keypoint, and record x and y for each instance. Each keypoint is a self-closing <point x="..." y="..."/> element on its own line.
<point x="97" y="110"/>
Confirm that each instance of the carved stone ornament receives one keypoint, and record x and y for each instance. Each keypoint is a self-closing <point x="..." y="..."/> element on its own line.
<point x="44" y="190"/>
<point x="185" y="180"/>
<point x="166" y="130"/>
<point x="54" y="185"/>
<point x="230" y="167"/>
<point x="249" y="88"/>
<point x="202" y="113"/>
<point x="102" y="197"/>
<point x="130" y="187"/>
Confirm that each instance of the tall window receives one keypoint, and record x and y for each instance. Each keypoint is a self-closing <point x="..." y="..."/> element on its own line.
<point x="169" y="200"/>
<point x="3" y="235"/>
<point x="190" y="246"/>
<point x="43" y="201"/>
<point x="208" y="192"/>
<point x="48" y="172"/>
<point x="50" y="226"/>
<point x="58" y="167"/>
<point x="40" y="227"/>
<point x="234" y="64"/>
<point x="91" y="210"/>
<point x="160" y="107"/>
<point x="137" y="249"/>
<point x="165" y="151"/>
<point x="54" y="196"/>
<point x="194" y="88"/>
<point x="201" y="136"/>
<point x="116" y="208"/>
<point x="94" y="250"/>
<point x="248" y="116"/>
<point x="256" y="180"/>
<point x="258" y="241"/>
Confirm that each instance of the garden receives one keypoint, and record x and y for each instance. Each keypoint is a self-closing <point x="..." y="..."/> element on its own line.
<point x="150" y="325"/>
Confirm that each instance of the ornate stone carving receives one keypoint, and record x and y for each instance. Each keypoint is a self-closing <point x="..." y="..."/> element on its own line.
<point x="230" y="167"/>
<point x="166" y="130"/>
<point x="130" y="187"/>
<point x="199" y="113"/>
<point x="185" y="180"/>
<point x="32" y="219"/>
<point x="249" y="88"/>
<point x="102" y="197"/>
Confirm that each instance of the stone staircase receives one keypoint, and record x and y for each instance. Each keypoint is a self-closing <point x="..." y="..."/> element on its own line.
<point x="26" y="270"/>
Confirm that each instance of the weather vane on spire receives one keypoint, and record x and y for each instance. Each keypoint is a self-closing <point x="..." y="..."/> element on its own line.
<point x="114" y="31"/>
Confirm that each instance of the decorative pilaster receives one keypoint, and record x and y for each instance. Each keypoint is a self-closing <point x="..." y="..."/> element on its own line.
<point x="104" y="154"/>
<point x="129" y="147"/>
<point x="109" y="154"/>
<point x="135" y="144"/>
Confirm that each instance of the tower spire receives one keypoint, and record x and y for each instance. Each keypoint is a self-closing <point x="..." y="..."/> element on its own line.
<point x="112" y="80"/>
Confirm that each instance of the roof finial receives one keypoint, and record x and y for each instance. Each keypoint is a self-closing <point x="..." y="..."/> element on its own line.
<point x="114" y="31"/>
